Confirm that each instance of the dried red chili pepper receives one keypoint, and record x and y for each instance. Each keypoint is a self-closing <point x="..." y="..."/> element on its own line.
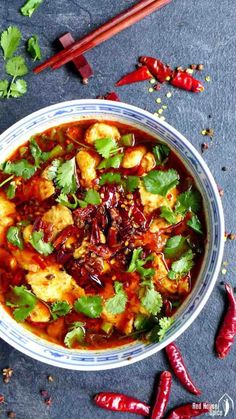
<point x="227" y="332"/>
<point x="177" y="364"/>
<point x="188" y="411"/>
<point x="163" y="394"/>
<point x="185" y="81"/>
<point x="159" y="70"/>
<point x="141" y="74"/>
<point x="110" y="96"/>
<point x="121" y="403"/>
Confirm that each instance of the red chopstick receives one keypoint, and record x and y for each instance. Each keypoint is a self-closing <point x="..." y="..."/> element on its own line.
<point x="106" y="31"/>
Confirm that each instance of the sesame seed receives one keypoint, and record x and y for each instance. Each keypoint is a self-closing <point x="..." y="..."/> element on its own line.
<point x="164" y="107"/>
<point x="224" y="271"/>
<point x="152" y="81"/>
<point x="168" y="94"/>
<point x="160" y="111"/>
<point x="162" y="118"/>
<point x="208" y="78"/>
<point x="168" y="78"/>
<point x="189" y="71"/>
<point x="151" y="89"/>
<point x="158" y="100"/>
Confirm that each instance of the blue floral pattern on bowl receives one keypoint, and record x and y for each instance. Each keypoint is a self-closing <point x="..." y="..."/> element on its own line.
<point x="53" y="354"/>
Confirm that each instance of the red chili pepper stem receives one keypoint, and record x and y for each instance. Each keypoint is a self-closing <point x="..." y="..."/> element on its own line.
<point x="227" y="331"/>
<point x="177" y="364"/>
<point x="141" y="74"/>
<point x="163" y="394"/>
<point x="121" y="403"/>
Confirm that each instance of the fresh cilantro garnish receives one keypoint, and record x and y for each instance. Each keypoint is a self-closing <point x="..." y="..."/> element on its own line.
<point x="92" y="197"/>
<point x="17" y="88"/>
<point x="159" y="182"/>
<point x="42" y="156"/>
<point x="33" y="48"/>
<point x="30" y="6"/>
<point x="6" y="181"/>
<point x="36" y="152"/>
<point x="39" y="244"/>
<point x="117" y="304"/>
<point x="113" y="161"/>
<point x="19" y="168"/>
<point x="65" y="177"/>
<point x="132" y="183"/>
<point x="168" y="214"/>
<point x="142" y="322"/>
<point x="76" y="334"/>
<point x="11" y="190"/>
<point x="195" y="224"/>
<point x="90" y="305"/>
<point x="150" y="299"/>
<point x="182" y="266"/>
<point x="24" y="301"/>
<point x="10" y="40"/>
<point x="51" y="170"/>
<point x="188" y="201"/>
<point x="59" y="309"/>
<point x="158" y="332"/>
<point x="161" y="152"/>
<point x="175" y="246"/>
<point x="63" y="200"/>
<point x="110" y="177"/>
<point x="14" y="237"/>
<point x="106" y="147"/>
<point x="16" y="66"/>
<point x="4" y="84"/>
<point x="137" y="264"/>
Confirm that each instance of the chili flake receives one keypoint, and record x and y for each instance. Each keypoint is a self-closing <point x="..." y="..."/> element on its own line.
<point x="2" y="399"/>
<point x="7" y="374"/>
<point x="11" y="415"/>
<point x="48" y="401"/>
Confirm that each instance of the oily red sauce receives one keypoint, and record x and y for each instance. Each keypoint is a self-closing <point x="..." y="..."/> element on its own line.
<point x="87" y="271"/>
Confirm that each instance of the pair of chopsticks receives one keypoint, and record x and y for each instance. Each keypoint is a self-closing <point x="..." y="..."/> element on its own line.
<point x="104" y="32"/>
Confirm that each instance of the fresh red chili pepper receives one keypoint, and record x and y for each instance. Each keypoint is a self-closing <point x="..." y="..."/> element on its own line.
<point x="177" y="364"/>
<point x="110" y="96"/>
<point x="227" y="332"/>
<point x="163" y="394"/>
<point x="185" y="81"/>
<point x="121" y="403"/>
<point x="141" y="74"/>
<point x="189" y="411"/>
<point x="159" y="70"/>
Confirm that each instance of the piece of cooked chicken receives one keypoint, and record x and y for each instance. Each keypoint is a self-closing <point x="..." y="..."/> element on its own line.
<point x="59" y="217"/>
<point x="148" y="162"/>
<point x="101" y="130"/>
<point x="40" y="313"/>
<point x="7" y="213"/>
<point x="133" y="156"/>
<point x="87" y="162"/>
<point x="52" y="284"/>
<point x="27" y="259"/>
<point x="152" y="201"/>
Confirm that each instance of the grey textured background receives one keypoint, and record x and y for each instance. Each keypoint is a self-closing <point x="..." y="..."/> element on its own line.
<point x="184" y="32"/>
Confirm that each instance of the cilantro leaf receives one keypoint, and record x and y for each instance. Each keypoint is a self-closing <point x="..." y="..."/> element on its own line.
<point x="11" y="190"/>
<point x="117" y="304"/>
<point x="24" y="301"/>
<point x="195" y="224"/>
<point x="110" y="177"/>
<point x="51" y="171"/>
<point x="63" y="200"/>
<point x="142" y="322"/>
<point x="132" y="183"/>
<point x="17" y="88"/>
<point x="16" y="66"/>
<point x="136" y="264"/>
<point x="106" y="147"/>
<point x="151" y="300"/>
<point x="175" y="246"/>
<point x="59" y="309"/>
<point x="188" y="201"/>
<point x="92" y="197"/>
<point x="19" y="168"/>
<point x="39" y="244"/>
<point x="158" y="182"/>
<point x="14" y="237"/>
<point x="90" y="305"/>
<point x="10" y="40"/>
<point x="113" y="161"/>
<point x="65" y="177"/>
<point x="33" y="48"/>
<point x="4" y="84"/>
<point x="30" y="6"/>
<point x="182" y="266"/>
<point x="36" y="152"/>
<point x="135" y="257"/>
<point x="164" y="324"/>
<point x="76" y="334"/>
<point x="161" y="152"/>
<point x="168" y="214"/>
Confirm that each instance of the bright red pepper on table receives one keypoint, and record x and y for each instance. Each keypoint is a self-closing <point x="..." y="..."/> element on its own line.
<point x="121" y="403"/>
<point x="141" y="74"/>
<point x="188" y="411"/>
<point x="185" y="81"/>
<point x="227" y="331"/>
<point x="177" y="363"/>
<point x="163" y="394"/>
<point x="159" y="70"/>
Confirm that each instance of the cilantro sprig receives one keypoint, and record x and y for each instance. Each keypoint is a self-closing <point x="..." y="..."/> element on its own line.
<point x="14" y="236"/>
<point x="117" y="304"/>
<point x="19" y="168"/>
<point x="161" y="153"/>
<point x="182" y="266"/>
<point x="90" y="305"/>
<point x="65" y="177"/>
<point x="60" y="309"/>
<point x="137" y="264"/>
<point x="10" y="40"/>
<point x="106" y="147"/>
<point x="159" y="182"/>
<point x="175" y="246"/>
<point x="150" y="299"/>
<point x="110" y="177"/>
<point x="76" y="334"/>
<point x="33" y="48"/>
<point x="30" y="7"/>
<point x="38" y="243"/>
<point x="23" y="301"/>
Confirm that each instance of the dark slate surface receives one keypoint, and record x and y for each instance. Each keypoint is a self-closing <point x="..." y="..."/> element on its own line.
<point x="185" y="32"/>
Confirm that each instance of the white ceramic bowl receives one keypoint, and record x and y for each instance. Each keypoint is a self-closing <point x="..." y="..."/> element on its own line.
<point x="42" y="350"/>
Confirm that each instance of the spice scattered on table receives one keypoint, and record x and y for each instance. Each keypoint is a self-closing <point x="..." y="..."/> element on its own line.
<point x="7" y="374"/>
<point x="227" y="331"/>
<point x="177" y="364"/>
<point x="141" y="74"/>
<point x="230" y="236"/>
<point x="204" y="147"/>
<point x="50" y="378"/>
<point x="221" y="191"/>
<point x="11" y="415"/>
<point x="2" y="399"/>
<point x="224" y="169"/>
<point x="209" y="132"/>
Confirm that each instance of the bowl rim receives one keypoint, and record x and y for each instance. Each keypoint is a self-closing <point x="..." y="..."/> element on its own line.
<point x="212" y="281"/>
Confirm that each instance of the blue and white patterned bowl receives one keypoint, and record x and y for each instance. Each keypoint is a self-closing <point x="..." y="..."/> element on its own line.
<point x="52" y="354"/>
